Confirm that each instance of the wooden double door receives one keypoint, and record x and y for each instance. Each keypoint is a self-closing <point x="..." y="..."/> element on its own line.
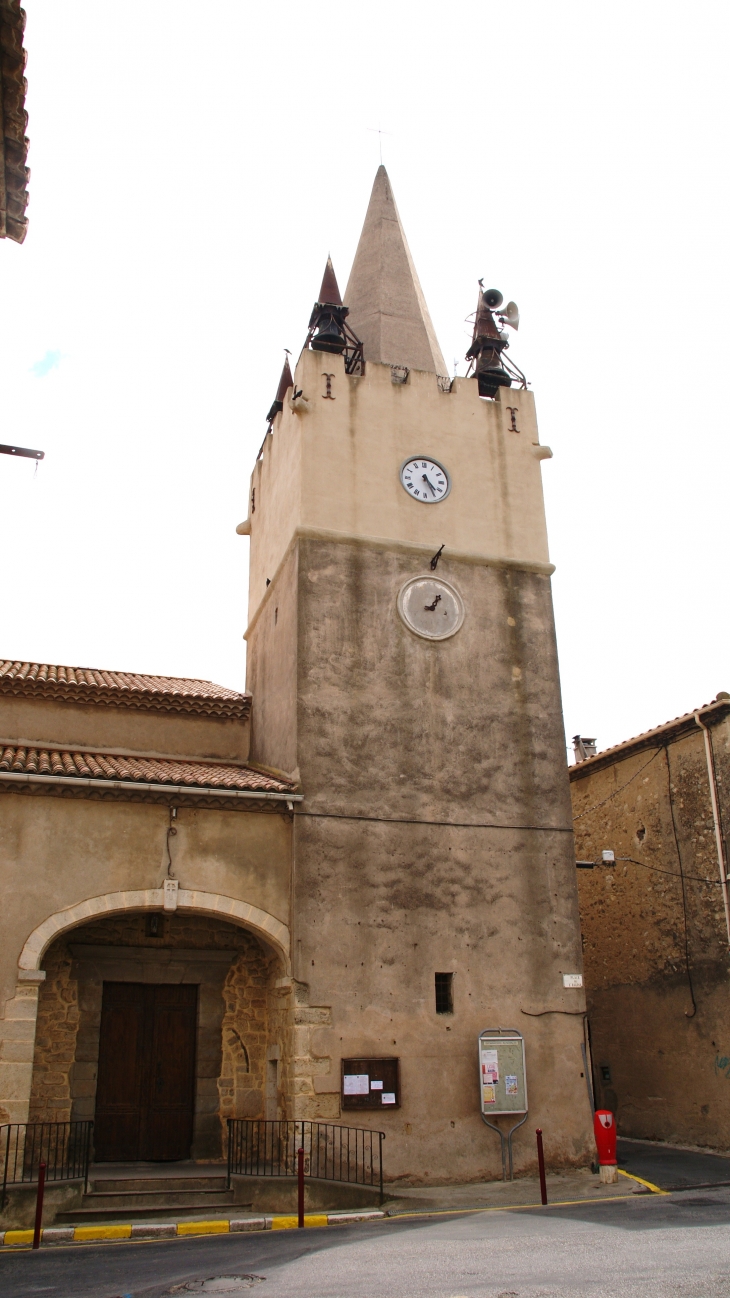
<point x="145" y="1092"/>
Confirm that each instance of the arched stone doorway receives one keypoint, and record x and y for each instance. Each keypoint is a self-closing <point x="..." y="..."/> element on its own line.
<point x="134" y="999"/>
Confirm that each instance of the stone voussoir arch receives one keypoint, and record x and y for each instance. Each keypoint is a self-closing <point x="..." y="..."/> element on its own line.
<point x="191" y="902"/>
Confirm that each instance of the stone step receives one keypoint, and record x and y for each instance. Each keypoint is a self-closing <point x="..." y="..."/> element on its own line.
<point x="150" y="1212"/>
<point x="142" y="1198"/>
<point x="155" y="1184"/>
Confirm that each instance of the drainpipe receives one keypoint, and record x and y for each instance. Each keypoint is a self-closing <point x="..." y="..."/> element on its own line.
<point x="716" y="818"/>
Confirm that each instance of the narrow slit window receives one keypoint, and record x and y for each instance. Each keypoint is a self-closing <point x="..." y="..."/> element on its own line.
<point x="444" y="993"/>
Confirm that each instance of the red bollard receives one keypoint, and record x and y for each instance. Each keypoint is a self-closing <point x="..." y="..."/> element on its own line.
<point x="39" y="1205"/>
<point x="300" y="1188"/>
<point x="604" y="1129"/>
<point x="541" y="1165"/>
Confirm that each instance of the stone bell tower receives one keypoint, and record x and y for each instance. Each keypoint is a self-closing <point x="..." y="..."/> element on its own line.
<point x="402" y="661"/>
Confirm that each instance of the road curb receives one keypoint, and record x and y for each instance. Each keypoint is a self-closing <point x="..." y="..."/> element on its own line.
<point x="169" y="1230"/>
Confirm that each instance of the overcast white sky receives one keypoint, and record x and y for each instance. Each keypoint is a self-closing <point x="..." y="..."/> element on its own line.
<point x="192" y="165"/>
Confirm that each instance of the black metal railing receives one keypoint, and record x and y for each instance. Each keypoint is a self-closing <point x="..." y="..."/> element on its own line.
<point x="264" y="1148"/>
<point x="64" y="1147"/>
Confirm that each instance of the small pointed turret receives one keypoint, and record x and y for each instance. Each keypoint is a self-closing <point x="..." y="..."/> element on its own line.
<point x="285" y="382"/>
<point x="328" y="315"/>
<point x="329" y="292"/>
<point x="387" y="308"/>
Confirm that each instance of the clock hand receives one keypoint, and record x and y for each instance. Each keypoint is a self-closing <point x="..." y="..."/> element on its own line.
<point x="425" y="479"/>
<point x="430" y="608"/>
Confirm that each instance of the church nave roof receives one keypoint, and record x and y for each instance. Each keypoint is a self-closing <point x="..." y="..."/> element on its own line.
<point x="121" y="689"/>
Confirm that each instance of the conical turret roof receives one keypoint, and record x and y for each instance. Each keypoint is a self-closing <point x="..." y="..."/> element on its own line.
<point x="388" y="311"/>
<point x="329" y="291"/>
<point x="285" y="383"/>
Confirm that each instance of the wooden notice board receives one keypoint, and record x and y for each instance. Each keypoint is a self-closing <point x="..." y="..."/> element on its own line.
<point x="370" y="1084"/>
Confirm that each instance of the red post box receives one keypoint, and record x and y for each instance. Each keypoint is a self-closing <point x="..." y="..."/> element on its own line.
<point x="604" y="1129"/>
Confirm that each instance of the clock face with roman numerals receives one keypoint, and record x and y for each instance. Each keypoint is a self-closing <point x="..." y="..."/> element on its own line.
<point x="425" y="479"/>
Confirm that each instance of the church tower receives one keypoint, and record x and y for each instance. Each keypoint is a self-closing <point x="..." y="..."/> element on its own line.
<point x="402" y="662"/>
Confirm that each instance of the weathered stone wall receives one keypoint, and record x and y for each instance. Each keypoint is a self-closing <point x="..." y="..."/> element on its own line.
<point x="438" y="840"/>
<point x="656" y="949"/>
<point x="55" y="1041"/>
<point x="245" y="1034"/>
<point x="233" y="1013"/>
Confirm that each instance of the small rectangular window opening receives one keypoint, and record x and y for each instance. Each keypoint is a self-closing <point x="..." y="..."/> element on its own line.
<point x="444" y="993"/>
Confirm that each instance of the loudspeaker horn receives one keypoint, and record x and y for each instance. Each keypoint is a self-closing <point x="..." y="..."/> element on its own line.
<point x="492" y="298"/>
<point x="511" y="315"/>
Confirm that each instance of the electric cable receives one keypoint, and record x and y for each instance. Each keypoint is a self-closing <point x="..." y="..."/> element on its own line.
<point x="447" y="824"/>
<point x="588" y="810"/>
<point x="691" y="878"/>
<point x="537" y="1014"/>
<point x="171" y="833"/>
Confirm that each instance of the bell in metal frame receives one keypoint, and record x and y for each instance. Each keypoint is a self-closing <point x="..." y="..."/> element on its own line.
<point x="328" y="315"/>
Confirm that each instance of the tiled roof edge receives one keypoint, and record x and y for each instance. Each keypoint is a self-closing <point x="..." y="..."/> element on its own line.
<point x="223" y="703"/>
<point x="14" y="173"/>
<point x="69" y="765"/>
<point x="711" y="713"/>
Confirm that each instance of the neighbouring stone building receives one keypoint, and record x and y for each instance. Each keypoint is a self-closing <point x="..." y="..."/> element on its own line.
<point x="218" y="904"/>
<point x="656" y="926"/>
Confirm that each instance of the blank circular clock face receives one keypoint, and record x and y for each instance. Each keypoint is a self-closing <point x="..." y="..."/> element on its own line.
<point x="431" y="607"/>
<point x="425" y="480"/>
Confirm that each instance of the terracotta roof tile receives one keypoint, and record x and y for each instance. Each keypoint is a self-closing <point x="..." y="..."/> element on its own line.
<point x="650" y="738"/>
<point x="121" y="689"/>
<point x="140" y="770"/>
<point x="14" y="174"/>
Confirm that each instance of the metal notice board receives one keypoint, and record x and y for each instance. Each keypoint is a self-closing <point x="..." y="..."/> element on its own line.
<point x="502" y="1085"/>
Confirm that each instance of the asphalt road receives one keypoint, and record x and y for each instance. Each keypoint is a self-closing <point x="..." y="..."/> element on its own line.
<point x="675" y="1246"/>
<point x="672" y="1168"/>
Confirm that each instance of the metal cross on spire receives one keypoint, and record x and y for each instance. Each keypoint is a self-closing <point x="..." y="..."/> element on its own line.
<point x="376" y="130"/>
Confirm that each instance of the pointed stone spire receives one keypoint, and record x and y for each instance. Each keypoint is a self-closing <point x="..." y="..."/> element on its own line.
<point x="285" y="383"/>
<point x="329" y="291"/>
<point x="387" y="308"/>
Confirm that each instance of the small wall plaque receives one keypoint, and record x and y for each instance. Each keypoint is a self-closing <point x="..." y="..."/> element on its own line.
<point x="169" y="896"/>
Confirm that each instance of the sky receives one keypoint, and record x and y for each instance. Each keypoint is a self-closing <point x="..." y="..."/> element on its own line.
<point x="191" y="170"/>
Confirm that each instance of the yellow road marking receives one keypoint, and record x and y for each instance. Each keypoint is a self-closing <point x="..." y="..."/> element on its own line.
<point x="291" y="1223"/>
<point x="203" y="1227"/>
<point x="102" y="1232"/>
<point x="655" y="1189"/>
<point x="506" y="1207"/>
<point x="317" y="1219"/>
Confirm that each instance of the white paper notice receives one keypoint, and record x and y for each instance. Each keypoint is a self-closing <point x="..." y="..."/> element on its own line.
<point x="572" y="980"/>
<point x="388" y="1097"/>
<point x="376" y="1086"/>
<point x="356" y="1084"/>
<point x="490" y="1068"/>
